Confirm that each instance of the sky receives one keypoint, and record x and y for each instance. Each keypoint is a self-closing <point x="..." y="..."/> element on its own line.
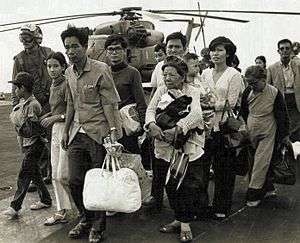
<point x="258" y="37"/>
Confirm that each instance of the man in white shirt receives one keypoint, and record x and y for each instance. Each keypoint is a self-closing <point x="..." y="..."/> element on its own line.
<point x="175" y="45"/>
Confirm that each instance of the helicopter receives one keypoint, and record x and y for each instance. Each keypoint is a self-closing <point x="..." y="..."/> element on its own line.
<point x="140" y="34"/>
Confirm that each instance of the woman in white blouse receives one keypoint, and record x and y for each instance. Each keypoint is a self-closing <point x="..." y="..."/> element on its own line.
<point x="226" y="83"/>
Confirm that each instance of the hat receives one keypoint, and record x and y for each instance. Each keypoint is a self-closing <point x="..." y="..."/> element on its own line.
<point x="255" y="72"/>
<point x="23" y="79"/>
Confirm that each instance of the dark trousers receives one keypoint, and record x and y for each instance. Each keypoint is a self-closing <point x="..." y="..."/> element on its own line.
<point x="224" y="174"/>
<point x="30" y="171"/>
<point x="294" y="116"/>
<point x="84" y="153"/>
<point x="191" y="198"/>
<point x="160" y="169"/>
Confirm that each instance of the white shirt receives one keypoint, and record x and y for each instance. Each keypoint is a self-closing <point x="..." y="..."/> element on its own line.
<point x="157" y="78"/>
<point x="228" y="86"/>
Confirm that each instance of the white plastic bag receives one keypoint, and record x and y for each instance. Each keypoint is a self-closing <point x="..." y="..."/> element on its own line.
<point x="117" y="190"/>
<point x="130" y="119"/>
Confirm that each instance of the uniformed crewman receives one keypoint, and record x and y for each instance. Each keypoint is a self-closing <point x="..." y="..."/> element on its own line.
<point x="32" y="60"/>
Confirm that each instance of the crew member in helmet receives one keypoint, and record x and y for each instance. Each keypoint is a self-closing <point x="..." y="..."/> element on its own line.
<point x="33" y="61"/>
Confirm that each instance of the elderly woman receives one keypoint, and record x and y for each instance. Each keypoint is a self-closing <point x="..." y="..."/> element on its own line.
<point x="264" y="109"/>
<point x="181" y="200"/>
<point x="226" y="83"/>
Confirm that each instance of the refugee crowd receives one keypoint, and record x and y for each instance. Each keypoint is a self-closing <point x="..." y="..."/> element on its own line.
<point x="201" y="115"/>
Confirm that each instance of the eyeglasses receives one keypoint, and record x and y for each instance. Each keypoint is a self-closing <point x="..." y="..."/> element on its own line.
<point x="116" y="49"/>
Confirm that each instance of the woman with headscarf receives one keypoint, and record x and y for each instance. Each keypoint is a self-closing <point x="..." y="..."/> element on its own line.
<point x="182" y="200"/>
<point x="227" y="84"/>
<point x="264" y="110"/>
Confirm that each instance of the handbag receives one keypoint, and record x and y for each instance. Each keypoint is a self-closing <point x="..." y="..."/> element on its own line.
<point x="116" y="190"/>
<point x="232" y="124"/>
<point x="283" y="166"/>
<point x="178" y="165"/>
<point x="130" y="119"/>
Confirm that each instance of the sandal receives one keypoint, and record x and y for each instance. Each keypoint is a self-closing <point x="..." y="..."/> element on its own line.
<point x="56" y="219"/>
<point x="186" y="236"/>
<point x="170" y="228"/>
<point x="39" y="205"/>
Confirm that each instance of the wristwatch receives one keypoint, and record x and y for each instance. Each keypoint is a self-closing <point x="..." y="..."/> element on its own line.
<point x="62" y="117"/>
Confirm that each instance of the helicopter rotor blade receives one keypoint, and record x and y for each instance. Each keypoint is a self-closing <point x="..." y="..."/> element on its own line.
<point x="67" y="17"/>
<point x="195" y="25"/>
<point x="50" y="22"/>
<point x="156" y="16"/>
<point x="208" y="16"/>
<point x="225" y="11"/>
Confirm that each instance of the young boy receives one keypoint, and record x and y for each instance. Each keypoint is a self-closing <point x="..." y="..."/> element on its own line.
<point x="25" y="117"/>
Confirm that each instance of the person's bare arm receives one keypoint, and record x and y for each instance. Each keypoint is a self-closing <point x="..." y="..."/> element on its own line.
<point x="69" y="118"/>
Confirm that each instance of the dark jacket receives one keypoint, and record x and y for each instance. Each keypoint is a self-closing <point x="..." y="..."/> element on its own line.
<point x="35" y="64"/>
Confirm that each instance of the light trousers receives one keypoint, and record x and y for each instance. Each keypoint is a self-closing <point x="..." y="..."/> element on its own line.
<point x="60" y="168"/>
<point x="264" y="146"/>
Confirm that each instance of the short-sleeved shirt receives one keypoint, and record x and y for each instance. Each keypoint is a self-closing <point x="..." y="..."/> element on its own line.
<point x="57" y="100"/>
<point x="26" y="109"/>
<point x="88" y="93"/>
